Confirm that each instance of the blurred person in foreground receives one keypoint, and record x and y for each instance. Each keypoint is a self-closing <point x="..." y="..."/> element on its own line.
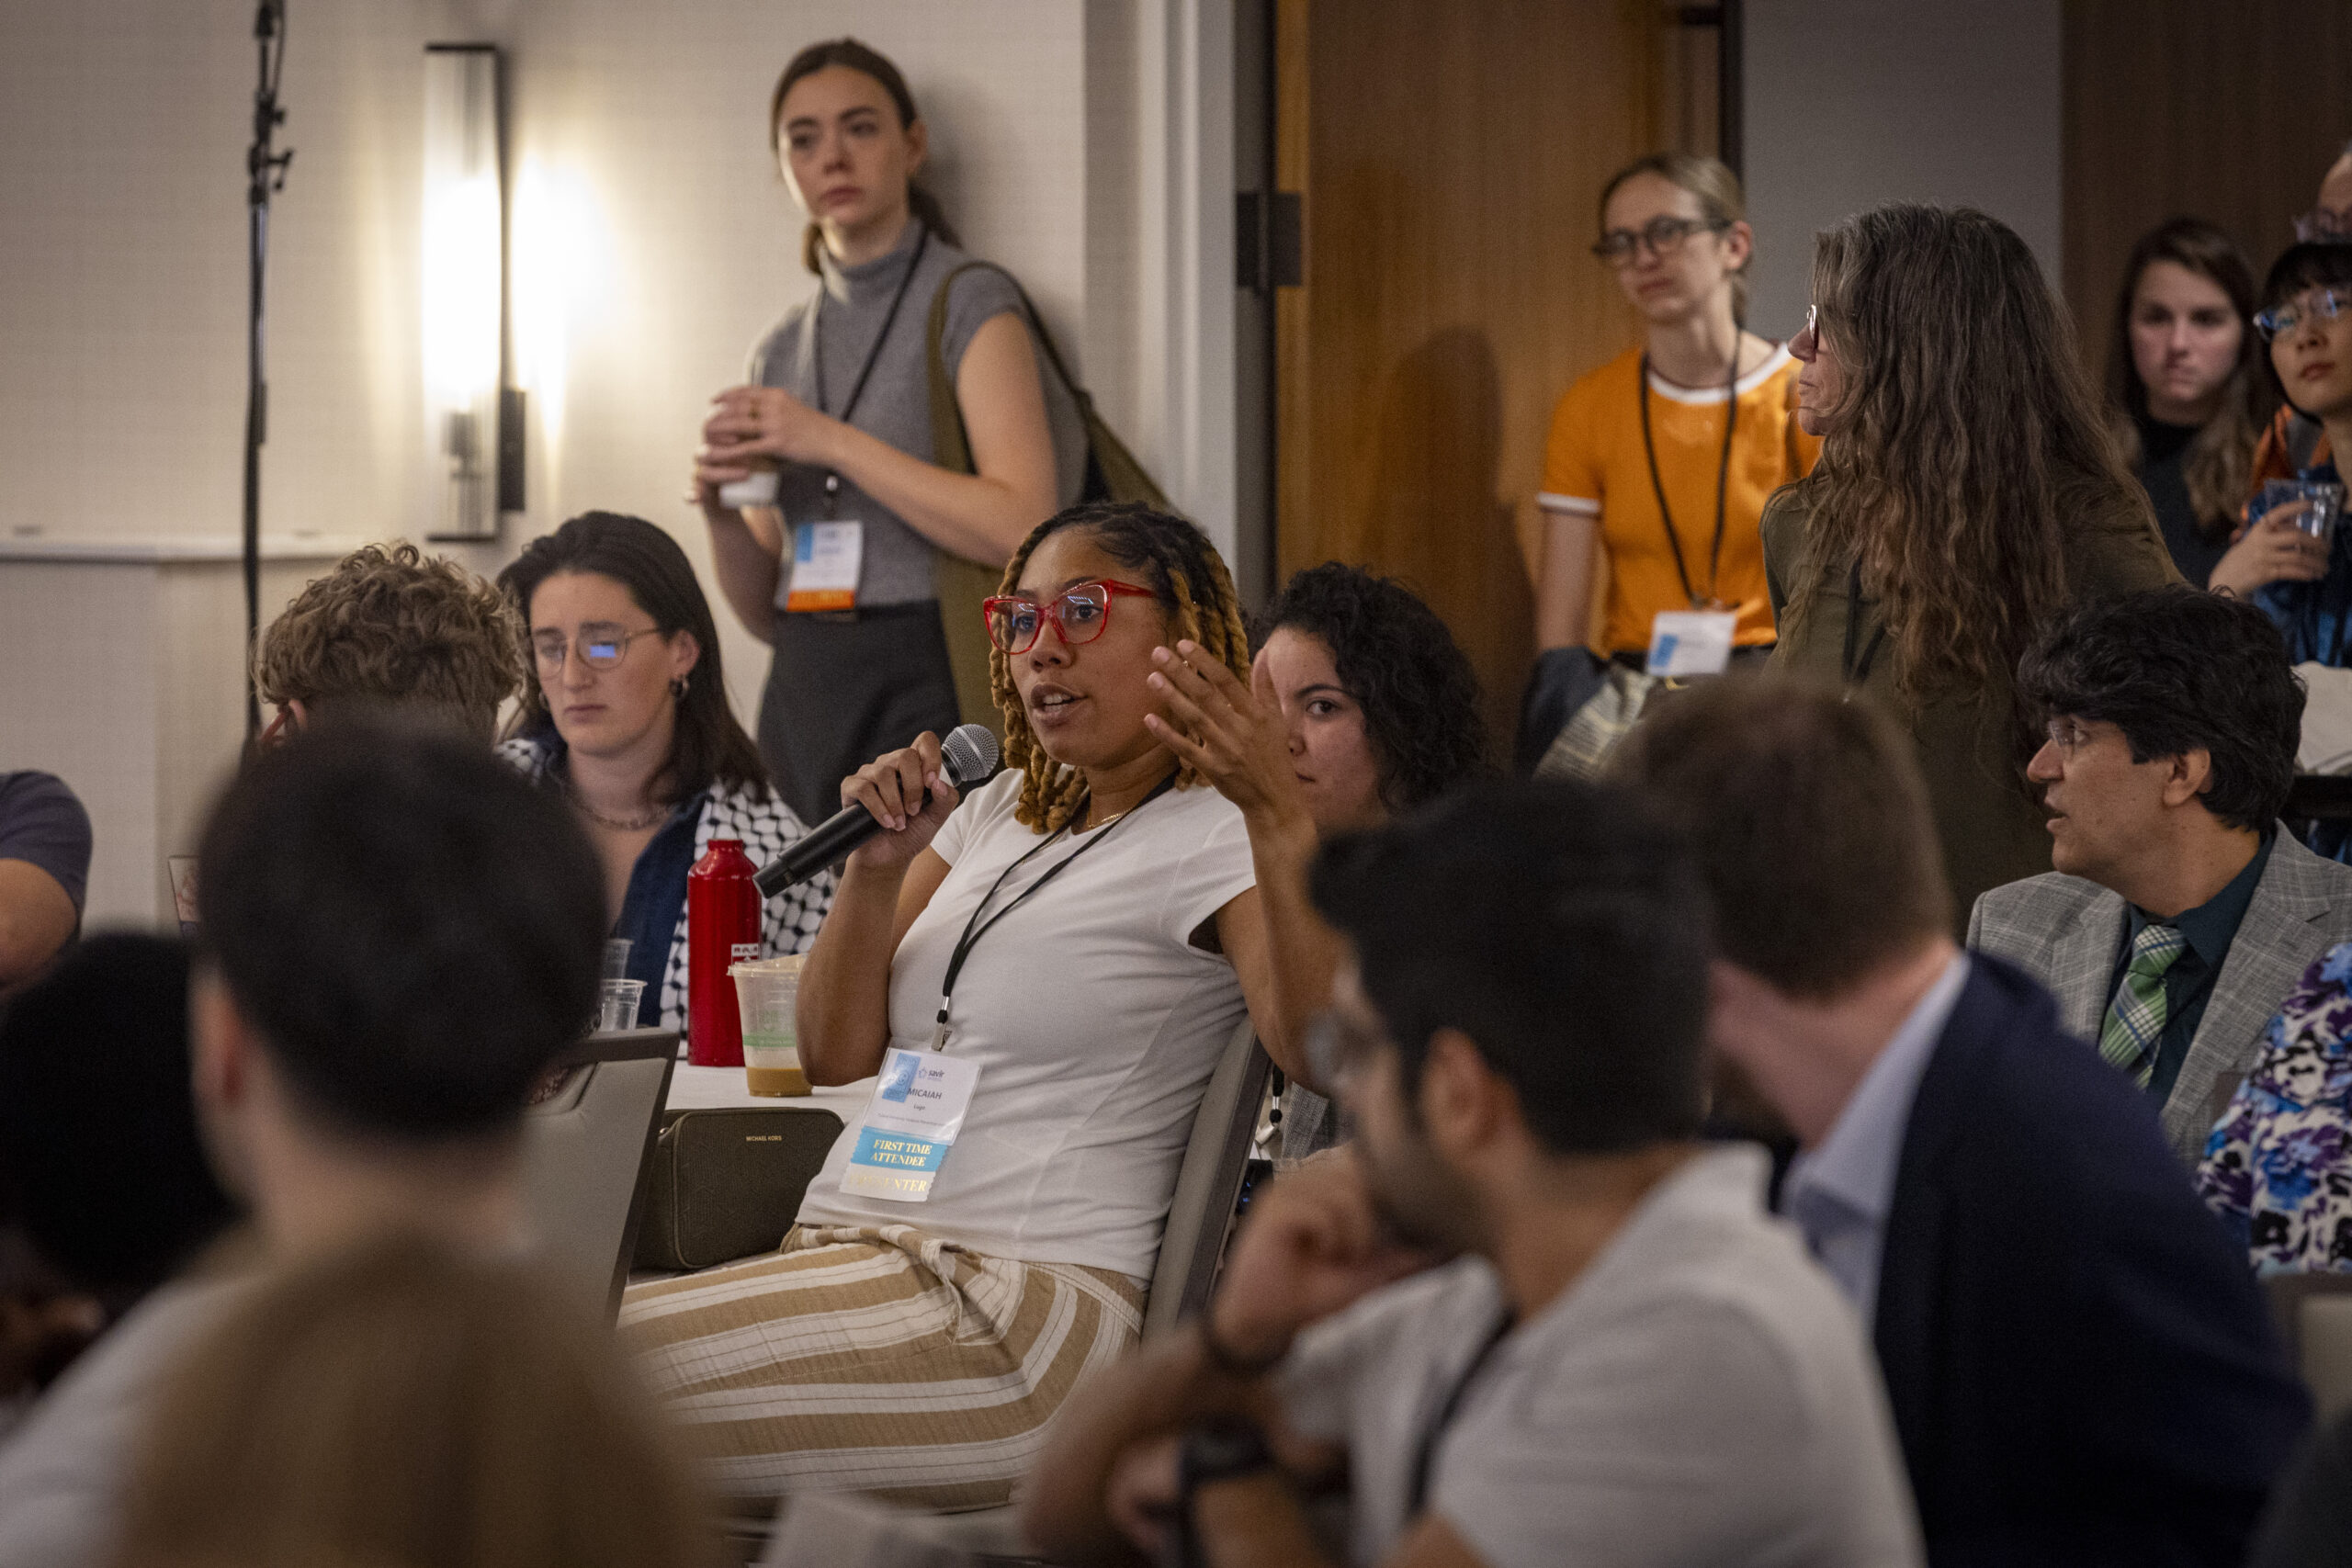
<point x="2179" y="916"/>
<point x="2081" y="1367"/>
<point x="1359" y="704"/>
<point x="1627" y="1360"/>
<point x="391" y="627"/>
<point x="398" y="935"/>
<point x="44" y="872"/>
<point x="406" y="1403"/>
<point x="105" y="1192"/>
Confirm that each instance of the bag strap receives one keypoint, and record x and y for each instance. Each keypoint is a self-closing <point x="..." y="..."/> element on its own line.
<point x="951" y="446"/>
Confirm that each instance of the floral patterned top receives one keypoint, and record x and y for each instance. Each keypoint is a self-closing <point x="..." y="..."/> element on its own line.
<point x="2279" y="1165"/>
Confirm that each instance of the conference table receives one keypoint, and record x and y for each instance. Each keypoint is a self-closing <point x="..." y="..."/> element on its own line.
<point x="721" y="1088"/>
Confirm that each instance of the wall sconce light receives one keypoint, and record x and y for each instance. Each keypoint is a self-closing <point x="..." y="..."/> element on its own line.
<point x="474" y="428"/>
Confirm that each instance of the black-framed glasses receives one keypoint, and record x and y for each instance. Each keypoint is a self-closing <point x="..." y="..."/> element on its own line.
<point x="2281" y="321"/>
<point x="1659" y="236"/>
<point x="602" y="644"/>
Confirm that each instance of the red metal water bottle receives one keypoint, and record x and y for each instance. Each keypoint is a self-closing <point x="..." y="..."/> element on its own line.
<point x="722" y="928"/>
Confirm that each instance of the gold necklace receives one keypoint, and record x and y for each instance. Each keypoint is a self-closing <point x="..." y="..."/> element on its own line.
<point x="618" y="824"/>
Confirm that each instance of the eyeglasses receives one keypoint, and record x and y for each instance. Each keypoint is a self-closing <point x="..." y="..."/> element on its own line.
<point x="602" y="644"/>
<point x="1660" y="236"/>
<point x="2322" y="224"/>
<point x="1079" y="615"/>
<point x="2281" y="321"/>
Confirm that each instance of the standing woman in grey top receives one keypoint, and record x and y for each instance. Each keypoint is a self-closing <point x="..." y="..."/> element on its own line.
<point x="838" y="404"/>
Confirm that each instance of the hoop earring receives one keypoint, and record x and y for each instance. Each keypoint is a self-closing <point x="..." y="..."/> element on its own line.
<point x="678" y="687"/>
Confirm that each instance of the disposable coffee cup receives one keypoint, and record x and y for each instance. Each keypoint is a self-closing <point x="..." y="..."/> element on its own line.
<point x="616" y="1002"/>
<point x="768" y="990"/>
<point x="758" y="489"/>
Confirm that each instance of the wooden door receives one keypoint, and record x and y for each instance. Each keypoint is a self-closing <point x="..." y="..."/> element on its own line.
<point x="1451" y="158"/>
<point x="2207" y="109"/>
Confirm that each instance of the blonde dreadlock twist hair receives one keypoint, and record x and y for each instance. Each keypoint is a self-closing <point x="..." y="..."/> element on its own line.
<point x="1183" y="570"/>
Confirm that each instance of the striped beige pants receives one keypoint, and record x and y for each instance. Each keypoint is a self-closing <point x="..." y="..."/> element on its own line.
<point x="875" y="1359"/>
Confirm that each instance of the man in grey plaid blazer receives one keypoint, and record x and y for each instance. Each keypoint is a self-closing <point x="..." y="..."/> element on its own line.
<point x="2180" y="914"/>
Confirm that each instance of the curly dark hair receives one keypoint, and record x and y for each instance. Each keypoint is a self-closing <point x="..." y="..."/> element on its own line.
<point x="2177" y="670"/>
<point x="1396" y="657"/>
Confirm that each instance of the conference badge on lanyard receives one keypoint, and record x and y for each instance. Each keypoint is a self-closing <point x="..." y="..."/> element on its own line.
<point x="909" y="1125"/>
<point x="1691" y="642"/>
<point x="825" y="557"/>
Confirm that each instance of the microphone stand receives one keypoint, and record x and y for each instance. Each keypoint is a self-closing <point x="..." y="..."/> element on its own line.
<point x="265" y="174"/>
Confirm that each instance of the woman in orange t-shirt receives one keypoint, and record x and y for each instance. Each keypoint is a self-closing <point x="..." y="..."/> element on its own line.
<point x="1660" y="461"/>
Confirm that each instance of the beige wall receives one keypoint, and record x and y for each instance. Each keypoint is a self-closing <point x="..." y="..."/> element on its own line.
<point x="1084" y="144"/>
<point x="1851" y="103"/>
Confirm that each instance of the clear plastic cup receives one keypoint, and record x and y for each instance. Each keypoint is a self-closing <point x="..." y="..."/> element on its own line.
<point x="616" y="957"/>
<point x="768" y="990"/>
<point x="616" y="1003"/>
<point x="2325" y="504"/>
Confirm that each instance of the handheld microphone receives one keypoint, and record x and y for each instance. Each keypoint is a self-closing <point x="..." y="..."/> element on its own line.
<point x="968" y="757"/>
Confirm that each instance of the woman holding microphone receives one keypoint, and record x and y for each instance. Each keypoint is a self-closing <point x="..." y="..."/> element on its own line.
<point x="1659" y="462"/>
<point x="837" y="408"/>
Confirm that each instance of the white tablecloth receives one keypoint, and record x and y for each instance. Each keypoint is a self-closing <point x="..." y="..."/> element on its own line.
<point x="713" y="1088"/>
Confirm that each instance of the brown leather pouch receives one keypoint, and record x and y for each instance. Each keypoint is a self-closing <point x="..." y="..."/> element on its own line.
<point x="727" y="1183"/>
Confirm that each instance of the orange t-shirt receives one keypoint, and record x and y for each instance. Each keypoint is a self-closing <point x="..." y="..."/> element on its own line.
<point x="1593" y="464"/>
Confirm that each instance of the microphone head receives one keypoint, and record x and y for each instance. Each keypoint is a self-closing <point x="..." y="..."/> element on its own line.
<point x="970" y="752"/>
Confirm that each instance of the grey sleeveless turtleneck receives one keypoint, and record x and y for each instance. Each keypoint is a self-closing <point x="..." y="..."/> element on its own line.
<point x="897" y="567"/>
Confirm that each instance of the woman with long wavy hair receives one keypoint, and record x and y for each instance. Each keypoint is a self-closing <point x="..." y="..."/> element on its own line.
<point x="1967" y="489"/>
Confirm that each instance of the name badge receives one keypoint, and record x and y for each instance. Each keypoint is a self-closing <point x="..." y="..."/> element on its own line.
<point x="1691" y="642"/>
<point x="908" y="1127"/>
<point x="825" y="558"/>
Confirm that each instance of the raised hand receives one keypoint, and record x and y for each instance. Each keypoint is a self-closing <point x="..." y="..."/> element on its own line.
<point x="1232" y="735"/>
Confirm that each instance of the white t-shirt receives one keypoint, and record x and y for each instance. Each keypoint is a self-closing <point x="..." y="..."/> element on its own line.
<point x="1096" y="1022"/>
<point x="1702" y="1393"/>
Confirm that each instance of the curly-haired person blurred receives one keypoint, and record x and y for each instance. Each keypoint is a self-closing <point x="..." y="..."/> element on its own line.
<point x="1359" y="707"/>
<point x="391" y="627"/>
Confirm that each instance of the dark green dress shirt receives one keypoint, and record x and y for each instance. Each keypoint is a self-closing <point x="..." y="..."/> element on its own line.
<point x="2188" y="985"/>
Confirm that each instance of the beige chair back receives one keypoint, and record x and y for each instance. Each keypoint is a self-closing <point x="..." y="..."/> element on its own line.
<point x="2314" y="1314"/>
<point x="1201" y="1216"/>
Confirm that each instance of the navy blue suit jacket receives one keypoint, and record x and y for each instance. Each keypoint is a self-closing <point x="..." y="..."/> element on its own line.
<point x="2082" y="1368"/>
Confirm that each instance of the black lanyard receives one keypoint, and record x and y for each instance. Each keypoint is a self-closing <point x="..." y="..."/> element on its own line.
<point x="817" y="351"/>
<point x="1425" y="1461"/>
<point x="1858" y="671"/>
<point x="974" y="930"/>
<point x="1723" y="475"/>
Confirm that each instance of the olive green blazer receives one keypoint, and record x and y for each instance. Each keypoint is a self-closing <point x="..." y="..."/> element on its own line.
<point x="1989" y="819"/>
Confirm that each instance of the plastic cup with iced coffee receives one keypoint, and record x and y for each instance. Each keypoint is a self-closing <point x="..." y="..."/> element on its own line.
<point x="768" y="990"/>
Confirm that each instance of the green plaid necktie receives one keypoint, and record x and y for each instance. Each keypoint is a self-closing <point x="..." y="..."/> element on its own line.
<point x="2136" y="1020"/>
